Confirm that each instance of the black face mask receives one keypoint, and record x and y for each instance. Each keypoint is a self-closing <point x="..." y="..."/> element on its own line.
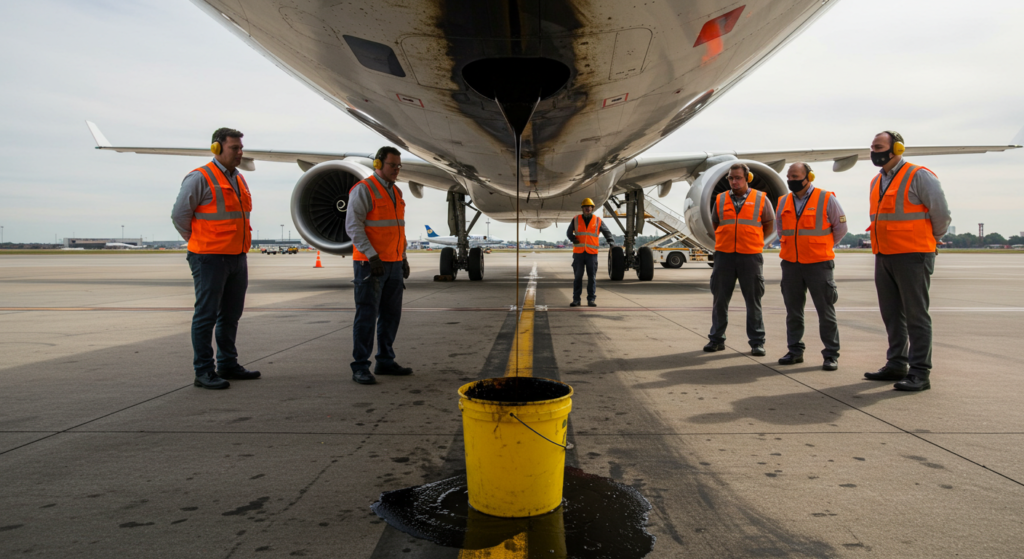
<point x="880" y="158"/>
<point x="796" y="186"/>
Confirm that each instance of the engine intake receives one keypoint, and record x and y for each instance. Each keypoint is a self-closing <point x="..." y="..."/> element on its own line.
<point x="700" y="200"/>
<point x="320" y="204"/>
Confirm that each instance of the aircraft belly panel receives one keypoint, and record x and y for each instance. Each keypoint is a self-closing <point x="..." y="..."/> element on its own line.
<point x="633" y="72"/>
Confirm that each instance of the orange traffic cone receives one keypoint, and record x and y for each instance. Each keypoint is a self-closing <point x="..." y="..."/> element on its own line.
<point x="318" y="264"/>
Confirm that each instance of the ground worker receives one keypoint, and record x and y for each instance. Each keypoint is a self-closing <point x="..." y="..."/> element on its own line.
<point x="908" y="216"/>
<point x="212" y="214"/>
<point x="743" y="218"/>
<point x="583" y="234"/>
<point x="376" y="225"/>
<point x="809" y="223"/>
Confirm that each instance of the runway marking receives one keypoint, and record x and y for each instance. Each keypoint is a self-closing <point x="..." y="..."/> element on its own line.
<point x="520" y="359"/>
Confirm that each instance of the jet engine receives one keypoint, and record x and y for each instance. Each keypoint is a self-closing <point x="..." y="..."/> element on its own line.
<point x="320" y="204"/>
<point x="700" y="200"/>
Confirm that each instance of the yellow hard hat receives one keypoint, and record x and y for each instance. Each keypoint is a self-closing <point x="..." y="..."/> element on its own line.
<point x="587" y="202"/>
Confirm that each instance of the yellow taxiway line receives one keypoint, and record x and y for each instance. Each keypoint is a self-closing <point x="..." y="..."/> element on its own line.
<point x="520" y="359"/>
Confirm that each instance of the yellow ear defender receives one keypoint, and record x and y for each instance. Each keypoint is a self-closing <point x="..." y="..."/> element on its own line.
<point x="810" y="176"/>
<point x="215" y="148"/>
<point x="750" y="177"/>
<point x="378" y="164"/>
<point x="898" y="148"/>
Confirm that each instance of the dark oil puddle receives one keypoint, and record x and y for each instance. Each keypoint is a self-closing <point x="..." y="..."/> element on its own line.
<point x="599" y="518"/>
<point x="517" y="390"/>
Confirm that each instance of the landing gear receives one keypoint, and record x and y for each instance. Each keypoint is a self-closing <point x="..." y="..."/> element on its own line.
<point x="645" y="264"/>
<point x="448" y="262"/>
<point x="476" y="264"/>
<point x="461" y="257"/>
<point x="643" y="260"/>
<point x="616" y="264"/>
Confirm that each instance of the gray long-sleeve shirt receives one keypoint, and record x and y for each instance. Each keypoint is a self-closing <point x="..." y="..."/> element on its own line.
<point x="924" y="189"/>
<point x="570" y="233"/>
<point x="194" y="193"/>
<point x="360" y="202"/>
<point x="835" y="213"/>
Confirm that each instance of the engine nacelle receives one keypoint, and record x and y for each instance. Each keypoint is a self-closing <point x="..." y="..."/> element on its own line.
<point x="320" y="204"/>
<point x="700" y="200"/>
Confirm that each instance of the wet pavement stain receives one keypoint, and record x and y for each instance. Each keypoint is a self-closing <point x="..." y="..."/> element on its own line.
<point x="599" y="518"/>
<point x="253" y="505"/>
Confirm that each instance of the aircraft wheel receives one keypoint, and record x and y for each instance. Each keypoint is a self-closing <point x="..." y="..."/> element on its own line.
<point x="476" y="264"/>
<point x="674" y="260"/>
<point x="645" y="271"/>
<point x="616" y="263"/>
<point x="448" y="264"/>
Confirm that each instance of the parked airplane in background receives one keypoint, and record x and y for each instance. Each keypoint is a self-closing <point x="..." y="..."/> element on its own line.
<point x="452" y="240"/>
<point x="596" y="83"/>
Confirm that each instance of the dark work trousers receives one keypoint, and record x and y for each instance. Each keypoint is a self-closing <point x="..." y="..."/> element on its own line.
<point x="378" y="309"/>
<point x="748" y="269"/>
<point x="581" y="262"/>
<point x="220" y="281"/>
<point x="817" y="278"/>
<point x="902" y="282"/>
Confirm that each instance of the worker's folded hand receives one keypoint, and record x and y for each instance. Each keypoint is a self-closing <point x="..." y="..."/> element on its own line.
<point x="405" y="269"/>
<point x="376" y="266"/>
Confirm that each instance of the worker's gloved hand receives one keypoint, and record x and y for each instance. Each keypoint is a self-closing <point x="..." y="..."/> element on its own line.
<point x="376" y="266"/>
<point x="405" y="269"/>
<point x="611" y="244"/>
<point x="575" y="240"/>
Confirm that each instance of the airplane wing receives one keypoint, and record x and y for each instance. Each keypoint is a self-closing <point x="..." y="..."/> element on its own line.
<point x="845" y="158"/>
<point x="663" y="169"/>
<point x="416" y="172"/>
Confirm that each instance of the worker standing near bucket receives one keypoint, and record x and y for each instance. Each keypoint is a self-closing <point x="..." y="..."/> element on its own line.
<point x="743" y="218"/>
<point x="584" y="234"/>
<point x="810" y="223"/>
<point x="212" y="214"/>
<point x="375" y="222"/>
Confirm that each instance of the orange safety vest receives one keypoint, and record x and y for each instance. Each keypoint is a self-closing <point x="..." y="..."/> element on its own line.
<point x="587" y="238"/>
<point x="222" y="226"/>
<point x="806" y="238"/>
<point x="385" y="223"/>
<point x="740" y="233"/>
<point x="897" y="226"/>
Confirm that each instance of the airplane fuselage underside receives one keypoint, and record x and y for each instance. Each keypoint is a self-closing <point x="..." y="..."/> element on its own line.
<point x="616" y="77"/>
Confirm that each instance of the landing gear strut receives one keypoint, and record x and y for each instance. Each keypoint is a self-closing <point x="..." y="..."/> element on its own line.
<point x="461" y="257"/>
<point x="628" y="257"/>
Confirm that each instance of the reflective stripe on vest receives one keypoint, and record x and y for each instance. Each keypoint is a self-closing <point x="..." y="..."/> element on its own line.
<point x="222" y="225"/>
<point x="806" y="238"/>
<point x="898" y="226"/>
<point x="384" y="223"/>
<point x="589" y="235"/>
<point x="741" y="233"/>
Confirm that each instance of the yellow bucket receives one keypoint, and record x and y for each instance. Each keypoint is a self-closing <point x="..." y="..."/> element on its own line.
<point x="515" y="431"/>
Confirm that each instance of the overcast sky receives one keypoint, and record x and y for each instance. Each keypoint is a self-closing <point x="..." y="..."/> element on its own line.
<point x="941" y="72"/>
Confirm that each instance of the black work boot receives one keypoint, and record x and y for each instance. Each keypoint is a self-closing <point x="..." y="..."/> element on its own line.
<point x="714" y="346"/>
<point x="886" y="373"/>
<point x="238" y="373"/>
<point x="914" y="382"/>
<point x="392" y="369"/>
<point x="211" y="380"/>
<point x="364" y="376"/>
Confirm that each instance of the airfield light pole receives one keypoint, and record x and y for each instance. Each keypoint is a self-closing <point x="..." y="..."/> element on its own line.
<point x="981" y="233"/>
<point x="282" y="231"/>
<point x="1" y="234"/>
<point x="122" y="233"/>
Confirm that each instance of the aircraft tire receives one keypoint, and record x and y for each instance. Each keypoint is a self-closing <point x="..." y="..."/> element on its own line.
<point x="448" y="264"/>
<point x="616" y="264"/>
<point x="476" y="264"/>
<point x="645" y="270"/>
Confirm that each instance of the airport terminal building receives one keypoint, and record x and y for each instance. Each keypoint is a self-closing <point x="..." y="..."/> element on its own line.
<point x="98" y="243"/>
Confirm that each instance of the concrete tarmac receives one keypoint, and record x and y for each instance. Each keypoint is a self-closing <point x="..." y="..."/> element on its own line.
<point x="107" y="450"/>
